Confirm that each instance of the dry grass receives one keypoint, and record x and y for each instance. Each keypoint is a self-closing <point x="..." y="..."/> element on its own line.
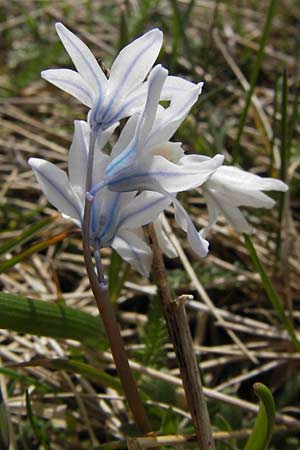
<point x="236" y="333"/>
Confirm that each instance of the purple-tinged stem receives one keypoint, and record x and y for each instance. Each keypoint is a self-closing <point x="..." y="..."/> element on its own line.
<point x="100" y="291"/>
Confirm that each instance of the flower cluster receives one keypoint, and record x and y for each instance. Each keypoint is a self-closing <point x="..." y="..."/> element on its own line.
<point x="144" y="172"/>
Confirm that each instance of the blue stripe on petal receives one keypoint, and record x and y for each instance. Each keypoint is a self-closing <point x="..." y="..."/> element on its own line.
<point x="122" y="81"/>
<point x="121" y="159"/>
<point x="141" y="210"/>
<point x="75" y="206"/>
<point x="136" y="256"/>
<point x="62" y="31"/>
<point x="109" y="216"/>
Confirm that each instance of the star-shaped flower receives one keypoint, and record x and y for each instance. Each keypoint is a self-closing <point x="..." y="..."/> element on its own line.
<point x="109" y="99"/>
<point x="144" y="159"/>
<point x="116" y="217"/>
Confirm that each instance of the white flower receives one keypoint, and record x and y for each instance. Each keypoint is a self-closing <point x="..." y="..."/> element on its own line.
<point x="142" y="157"/>
<point x="123" y="93"/>
<point x="228" y="188"/>
<point x="116" y="217"/>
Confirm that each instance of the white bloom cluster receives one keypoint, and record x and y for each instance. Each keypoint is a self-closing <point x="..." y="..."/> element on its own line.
<point x="133" y="185"/>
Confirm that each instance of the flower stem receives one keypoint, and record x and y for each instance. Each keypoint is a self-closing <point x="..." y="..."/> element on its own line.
<point x="100" y="291"/>
<point x="180" y="335"/>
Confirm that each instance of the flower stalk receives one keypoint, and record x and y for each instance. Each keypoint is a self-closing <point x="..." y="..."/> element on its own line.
<point x="100" y="291"/>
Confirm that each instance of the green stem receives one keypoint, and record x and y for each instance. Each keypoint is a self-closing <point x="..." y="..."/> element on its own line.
<point x="272" y="294"/>
<point x="254" y="75"/>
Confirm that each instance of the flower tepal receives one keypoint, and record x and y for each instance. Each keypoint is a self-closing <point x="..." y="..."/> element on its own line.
<point x="229" y="187"/>
<point x="116" y="217"/>
<point x="109" y="99"/>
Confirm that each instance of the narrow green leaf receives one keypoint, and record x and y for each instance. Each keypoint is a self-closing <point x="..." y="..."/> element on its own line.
<point x="27" y="234"/>
<point x="263" y="427"/>
<point x="4" y="428"/>
<point x="55" y="320"/>
<point x="14" y="375"/>
<point x="36" y="425"/>
<point x="271" y="293"/>
<point x="284" y="153"/>
<point x="274" y="121"/>
<point x="253" y="79"/>
<point x="74" y="366"/>
<point x="33" y="249"/>
<point x="294" y="119"/>
<point x="222" y="424"/>
<point x="88" y="371"/>
<point x="123" y="30"/>
<point x="180" y="24"/>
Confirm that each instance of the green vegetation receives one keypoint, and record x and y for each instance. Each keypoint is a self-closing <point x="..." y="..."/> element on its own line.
<point x="59" y="387"/>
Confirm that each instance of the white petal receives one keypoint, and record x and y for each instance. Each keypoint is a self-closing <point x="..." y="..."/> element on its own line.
<point x="105" y="222"/>
<point x="232" y="213"/>
<point x="154" y="172"/>
<point x="131" y="246"/>
<point x="134" y="62"/>
<point x="236" y="219"/>
<point x="164" y="242"/>
<point x="57" y="188"/>
<point x="126" y="136"/>
<point x="78" y="156"/>
<point x="156" y="81"/>
<point x="104" y="135"/>
<point x="130" y="154"/>
<point x="71" y="82"/>
<point x="256" y="199"/>
<point x="213" y="212"/>
<point x="243" y="180"/>
<point x="83" y="60"/>
<point x="143" y="209"/>
<point x="196" y="241"/>
<point x="172" y="151"/>
<point x="169" y="119"/>
<point x="175" y="86"/>
<point x="133" y="103"/>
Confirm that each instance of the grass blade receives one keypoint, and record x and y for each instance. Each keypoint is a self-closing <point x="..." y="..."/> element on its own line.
<point x="80" y="367"/>
<point x="253" y="79"/>
<point x="27" y="234"/>
<point x="263" y="428"/>
<point x="36" y="425"/>
<point x="54" y="320"/>
<point x="4" y="427"/>
<point x="284" y="153"/>
<point x="271" y="292"/>
<point x="33" y="249"/>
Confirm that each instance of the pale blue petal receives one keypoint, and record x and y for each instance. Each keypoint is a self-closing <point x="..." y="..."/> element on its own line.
<point x="70" y="82"/>
<point x="243" y="180"/>
<point x="163" y="241"/>
<point x="133" y="63"/>
<point x="57" y="188"/>
<point x="157" y="172"/>
<point x="125" y="137"/>
<point x="129" y="155"/>
<point x="83" y="60"/>
<point x="132" y="247"/>
<point x="219" y="203"/>
<point x="156" y="81"/>
<point x="143" y="209"/>
<point x="131" y="104"/>
<point x="196" y="241"/>
<point x="78" y="156"/>
<point x="168" y="120"/>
